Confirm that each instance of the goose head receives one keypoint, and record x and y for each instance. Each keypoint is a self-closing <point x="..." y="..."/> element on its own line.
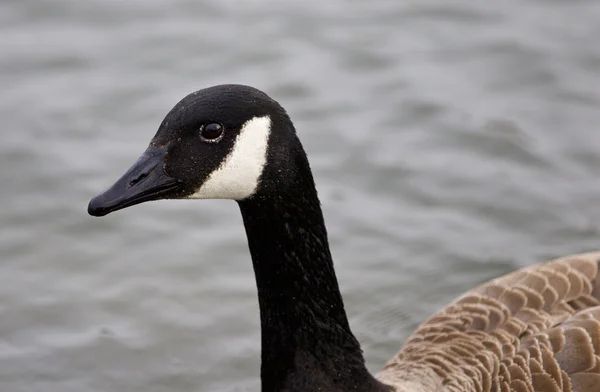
<point x="223" y="142"/>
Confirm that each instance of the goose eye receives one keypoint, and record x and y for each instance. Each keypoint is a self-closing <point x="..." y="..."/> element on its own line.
<point x="211" y="132"/>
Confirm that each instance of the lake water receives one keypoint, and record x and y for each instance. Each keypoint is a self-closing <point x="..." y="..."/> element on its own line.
<point x="451" y="142"/>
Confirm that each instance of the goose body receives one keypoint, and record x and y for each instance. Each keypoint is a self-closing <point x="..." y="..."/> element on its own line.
<point x="536" y="329"/>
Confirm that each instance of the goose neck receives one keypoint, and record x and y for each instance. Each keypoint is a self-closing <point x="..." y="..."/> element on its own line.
<point x="306" y="339"/>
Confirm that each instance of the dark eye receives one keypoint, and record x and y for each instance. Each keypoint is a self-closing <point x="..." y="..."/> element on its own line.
<point x="211" y="132"/>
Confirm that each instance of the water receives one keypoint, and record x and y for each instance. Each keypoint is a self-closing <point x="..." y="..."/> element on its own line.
<point x="451" y="143"/>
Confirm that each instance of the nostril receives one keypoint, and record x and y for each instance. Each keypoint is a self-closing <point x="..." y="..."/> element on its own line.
<point x="138" y="179"/>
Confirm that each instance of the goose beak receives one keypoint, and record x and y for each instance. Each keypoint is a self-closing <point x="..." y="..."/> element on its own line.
<point x="146" y="180"/>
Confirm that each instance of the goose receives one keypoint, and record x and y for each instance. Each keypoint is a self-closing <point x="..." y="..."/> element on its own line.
<point x="535" y="329"/>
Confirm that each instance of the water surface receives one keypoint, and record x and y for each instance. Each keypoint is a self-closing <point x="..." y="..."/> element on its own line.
<point x="450" y="143"/>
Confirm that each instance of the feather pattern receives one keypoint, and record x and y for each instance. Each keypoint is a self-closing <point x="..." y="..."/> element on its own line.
<point x="535" y="329"/>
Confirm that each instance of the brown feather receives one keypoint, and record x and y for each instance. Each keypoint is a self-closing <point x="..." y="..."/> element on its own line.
<point x="535" y="329"/>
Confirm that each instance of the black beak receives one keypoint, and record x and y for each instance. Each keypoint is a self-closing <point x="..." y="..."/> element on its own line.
<point x="146" y="180"/>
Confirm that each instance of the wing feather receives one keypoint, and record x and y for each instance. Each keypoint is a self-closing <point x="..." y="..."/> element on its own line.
<point x="535" y="329"/>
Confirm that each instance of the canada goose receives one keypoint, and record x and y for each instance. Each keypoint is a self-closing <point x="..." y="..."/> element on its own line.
<point x="536" y="329"/>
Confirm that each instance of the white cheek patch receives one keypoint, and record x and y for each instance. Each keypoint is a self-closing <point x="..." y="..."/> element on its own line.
<point x="237" y="177"/>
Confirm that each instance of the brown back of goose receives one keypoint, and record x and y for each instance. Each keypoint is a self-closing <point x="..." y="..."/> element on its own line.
<point x="536" y="329"/>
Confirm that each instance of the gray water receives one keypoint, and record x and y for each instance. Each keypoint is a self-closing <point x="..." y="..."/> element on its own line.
<point x="451" y="142"/>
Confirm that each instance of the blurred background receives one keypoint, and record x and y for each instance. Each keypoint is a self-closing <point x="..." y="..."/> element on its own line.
<point x="451" y="142"/>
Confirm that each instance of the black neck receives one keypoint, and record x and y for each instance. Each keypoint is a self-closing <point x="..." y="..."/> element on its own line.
<point x="307" y="344"/>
